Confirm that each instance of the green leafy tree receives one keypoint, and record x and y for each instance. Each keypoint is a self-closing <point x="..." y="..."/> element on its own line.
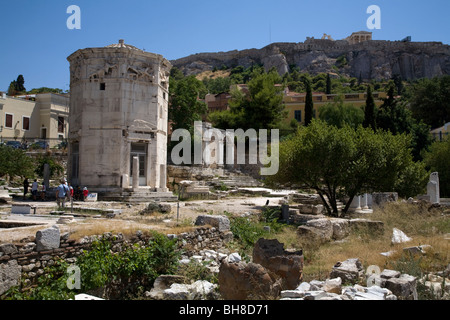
<point x="393" y="115"/>
<point x="430" y="100"/>
<point x="56" y="168"/>
<point x="185" y="106"/>
<point x="344" y="162"/>
<point x="226" y="119"/>
<point x="261" y="108"/>
<point x="15" y="163"/>
<point x="176" y="74"/>
<point x="437" y="160"/>
<point x="264" y="107"/>
<point x="369" y="111"/>
<point x="340" y="114"/>
<point x="45" y="90"/>
<point x="309" y="105"/>
<point x="241" y="75"/>
<point x="218" y="85"/>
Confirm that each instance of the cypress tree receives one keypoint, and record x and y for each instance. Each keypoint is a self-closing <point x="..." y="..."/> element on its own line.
<point x="12" y="88"/>
<point x="328" y="89"/>
<point x="20" y="83"/>
<point x="369" y="112"/>
<point x="309" y="106"/>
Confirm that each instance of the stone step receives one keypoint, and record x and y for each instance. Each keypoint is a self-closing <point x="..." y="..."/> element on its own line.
<point x="140" y="196"/>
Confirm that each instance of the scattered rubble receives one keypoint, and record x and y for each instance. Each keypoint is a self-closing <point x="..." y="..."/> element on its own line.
<point x="389" y="285"/>
<point x="398" y="236"/>
<point x="168" y="287"/>
<point x="438" y="286"/>
<point x="350" y="270"/>
<point x="222" y="223"/>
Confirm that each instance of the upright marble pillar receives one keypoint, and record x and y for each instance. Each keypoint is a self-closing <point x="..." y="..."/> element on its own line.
<point x="135" y="173"/>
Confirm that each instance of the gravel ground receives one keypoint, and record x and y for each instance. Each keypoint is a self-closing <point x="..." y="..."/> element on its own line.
<point x="129" y="220"/>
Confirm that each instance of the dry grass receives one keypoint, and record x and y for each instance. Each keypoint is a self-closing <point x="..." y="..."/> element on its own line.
<point x="92" y="227"/>
<point x="423" y="226"/>
<point x="213" y="75"/>
<point x="16" y="235"/>
<point x="130" y="225"/>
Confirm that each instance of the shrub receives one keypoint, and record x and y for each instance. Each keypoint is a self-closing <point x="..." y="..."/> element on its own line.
<point x="56" y="168"/>
<point x="127" y="272"/>
<point x="271" y="214"/>
<point x="246" y="231"/>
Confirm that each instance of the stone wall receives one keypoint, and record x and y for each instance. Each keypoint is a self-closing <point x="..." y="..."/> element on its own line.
<point x="28" y="259"/>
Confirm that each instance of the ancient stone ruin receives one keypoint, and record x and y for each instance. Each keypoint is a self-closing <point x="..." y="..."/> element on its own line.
<point x="118" y="122"/>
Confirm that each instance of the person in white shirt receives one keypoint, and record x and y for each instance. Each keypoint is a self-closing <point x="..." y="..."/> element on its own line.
<point x="34" y="189"/>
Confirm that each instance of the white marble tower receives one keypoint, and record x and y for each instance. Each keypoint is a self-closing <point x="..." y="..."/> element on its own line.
<point x="118" y="111"/>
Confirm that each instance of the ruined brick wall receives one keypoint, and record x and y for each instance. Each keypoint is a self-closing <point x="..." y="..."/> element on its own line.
<point x="24" y="261"/>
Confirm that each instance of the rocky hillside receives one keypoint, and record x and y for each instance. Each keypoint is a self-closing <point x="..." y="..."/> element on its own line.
<point x="370" y="59"/>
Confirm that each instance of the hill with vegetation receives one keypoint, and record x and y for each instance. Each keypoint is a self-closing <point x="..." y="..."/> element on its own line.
<point x="366" y="60"/>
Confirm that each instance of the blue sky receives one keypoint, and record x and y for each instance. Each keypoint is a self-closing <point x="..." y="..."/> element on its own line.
<point x="35" y="40"/>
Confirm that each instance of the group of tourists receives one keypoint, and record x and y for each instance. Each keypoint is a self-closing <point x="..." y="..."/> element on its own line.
<point x="36" y="189"/>
<point x="64" y="192"/>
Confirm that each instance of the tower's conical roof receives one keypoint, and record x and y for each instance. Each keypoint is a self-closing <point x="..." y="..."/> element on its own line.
<point x="122" y="44"/>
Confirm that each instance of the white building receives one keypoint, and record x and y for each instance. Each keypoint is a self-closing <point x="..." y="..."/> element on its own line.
<point x="31" y="118"/>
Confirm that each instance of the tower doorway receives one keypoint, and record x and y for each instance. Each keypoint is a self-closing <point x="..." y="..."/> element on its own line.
<point x="139" y="150"/>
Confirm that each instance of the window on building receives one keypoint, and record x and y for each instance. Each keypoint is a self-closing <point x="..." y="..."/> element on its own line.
<point x="298" y="115"/>
<point x="60" y="124"/>
<point x="9" y="120"/>
<point x="26" y="123"/>
<point x="102" y="86"/>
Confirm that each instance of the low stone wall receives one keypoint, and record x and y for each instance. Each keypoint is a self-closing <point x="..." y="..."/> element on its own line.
<point x="28" y="261"/>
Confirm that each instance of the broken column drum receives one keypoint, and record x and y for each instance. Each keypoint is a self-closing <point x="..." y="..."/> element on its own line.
<point x="118" y="111"/>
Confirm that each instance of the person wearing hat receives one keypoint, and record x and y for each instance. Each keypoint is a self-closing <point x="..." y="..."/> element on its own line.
<point x="85" y="193"/>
